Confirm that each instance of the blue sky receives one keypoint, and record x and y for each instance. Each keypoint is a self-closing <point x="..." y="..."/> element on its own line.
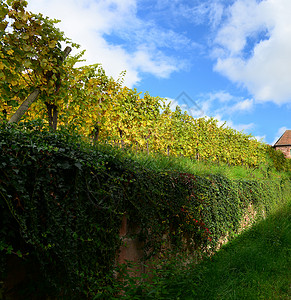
<point x="227" y="59"/>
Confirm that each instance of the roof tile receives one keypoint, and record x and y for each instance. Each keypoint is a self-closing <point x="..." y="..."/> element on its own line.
<point x="285" y="139"/>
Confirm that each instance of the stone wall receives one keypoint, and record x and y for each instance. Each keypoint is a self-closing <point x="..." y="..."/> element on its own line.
<point x="132" y="249"/>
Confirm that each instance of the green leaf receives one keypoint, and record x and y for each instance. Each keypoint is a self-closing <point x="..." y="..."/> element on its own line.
<point x="18" y="25"/>
<point x="3" y="11"/>
<point x="78" y="165"/>
<point x="9" y="249"/>
<point x="27" y="64"/>
<point x="27" y="48"/>
<point x="25" y="36"/>
<point x="16" y="171"/>
<point x="3" y="26"/>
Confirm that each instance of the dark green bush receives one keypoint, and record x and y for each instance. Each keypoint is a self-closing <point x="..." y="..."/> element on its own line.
<point x="55" y="197"/>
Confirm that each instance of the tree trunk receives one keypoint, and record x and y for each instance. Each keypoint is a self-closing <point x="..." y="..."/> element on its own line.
<point x="121" y="140"/>
<point x="24" y="106"/>
<point x="52" y="112"/>
<point x="50" y="115"/>
<point x="55" y="118"/>
<point x="33" y="96"/>
<point x="4" y="112"/>
<point x="95" y="134"/>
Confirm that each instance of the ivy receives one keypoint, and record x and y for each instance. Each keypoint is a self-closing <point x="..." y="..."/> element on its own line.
<point x="59" y="207"/>
<point x="62" y="202"/>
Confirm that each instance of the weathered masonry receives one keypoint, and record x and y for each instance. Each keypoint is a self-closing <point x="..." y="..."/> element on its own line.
<point x="284" y="144"/>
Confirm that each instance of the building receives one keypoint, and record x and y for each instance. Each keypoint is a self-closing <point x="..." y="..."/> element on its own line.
<point x="284" y="144"/>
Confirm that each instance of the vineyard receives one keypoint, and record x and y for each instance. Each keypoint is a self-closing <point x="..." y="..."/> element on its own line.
<point x="80" y="153"/>
<point x="37" y="73"/>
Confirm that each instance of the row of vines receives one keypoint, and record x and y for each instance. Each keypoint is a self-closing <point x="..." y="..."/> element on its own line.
<point x="85" y="99"/>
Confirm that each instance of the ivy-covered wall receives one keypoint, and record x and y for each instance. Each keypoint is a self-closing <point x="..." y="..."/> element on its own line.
<point x="62" y="204"/>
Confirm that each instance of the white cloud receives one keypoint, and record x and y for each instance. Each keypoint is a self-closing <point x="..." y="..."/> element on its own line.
<point x="220" y="105"/>
<point x="245" y="105"/>
<point x="239" y="127"/>
<point x="90" y="22"/>
<point x="221" y="96"/>
<point x="160" y="65"/>
<point x="260" y="138"/>
<point x="186" y="104"/>
<point x="224" y="104"/>
<point x="215" y="13"/>
<point x="209" y="11"/>
<point x="254" y="48"/>
<point x="173" y="103"/>
<point x="223" y="107"/>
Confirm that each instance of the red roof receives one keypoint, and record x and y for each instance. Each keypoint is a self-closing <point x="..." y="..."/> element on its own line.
<point x="285" y="139"/>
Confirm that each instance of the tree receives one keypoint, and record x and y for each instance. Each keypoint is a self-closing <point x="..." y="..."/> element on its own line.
<point x="31" y="57"/>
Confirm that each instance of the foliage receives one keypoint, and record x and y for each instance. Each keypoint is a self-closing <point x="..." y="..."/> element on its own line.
<point x="56" y="206"/>
<point x="62" y="201"/>
<point x="30" y="56"/>
<point x="162" y="163"/>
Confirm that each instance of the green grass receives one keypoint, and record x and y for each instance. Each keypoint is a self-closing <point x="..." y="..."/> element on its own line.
<point x="255" y="265"/>
<point x="163" y="163"/>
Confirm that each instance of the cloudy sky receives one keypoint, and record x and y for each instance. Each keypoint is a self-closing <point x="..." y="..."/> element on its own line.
<point x="228" y="59"/>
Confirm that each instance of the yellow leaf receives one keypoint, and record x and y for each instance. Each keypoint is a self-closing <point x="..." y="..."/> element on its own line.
<point x="10" y="52"/>
<point x="52" y="44"/>
<point x="24" y="17"/>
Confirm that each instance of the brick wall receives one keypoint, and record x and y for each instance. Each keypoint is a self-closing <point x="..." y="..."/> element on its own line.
<point x="285" y="149"/>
